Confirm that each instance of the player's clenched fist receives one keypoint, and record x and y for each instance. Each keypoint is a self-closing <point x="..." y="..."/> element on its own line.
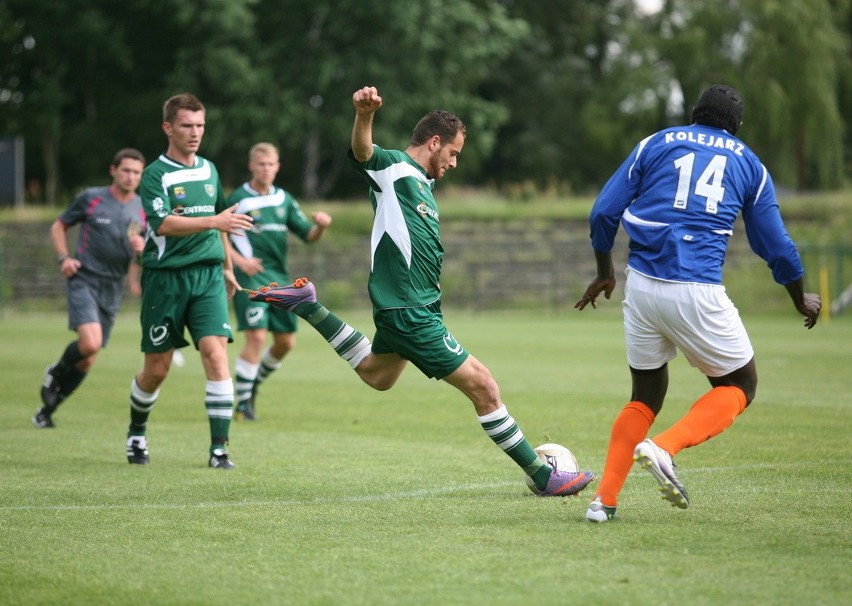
<point x="366" y="100"/>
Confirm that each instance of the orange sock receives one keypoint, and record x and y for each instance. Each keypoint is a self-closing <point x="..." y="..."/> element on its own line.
<point x="629" y="428"/>
<point x="712" y="414"/>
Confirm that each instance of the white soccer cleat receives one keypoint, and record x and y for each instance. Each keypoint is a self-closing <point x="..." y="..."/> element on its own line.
<point x="660" y="464"/>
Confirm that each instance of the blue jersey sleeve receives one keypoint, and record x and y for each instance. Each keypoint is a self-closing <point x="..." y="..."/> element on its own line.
<point x="616" y="195"/>
<point x="767" y="235"/>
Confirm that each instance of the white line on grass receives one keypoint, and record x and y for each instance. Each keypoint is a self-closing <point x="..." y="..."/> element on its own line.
<point x="414" y="494"/>
<point x="364" y="498"/>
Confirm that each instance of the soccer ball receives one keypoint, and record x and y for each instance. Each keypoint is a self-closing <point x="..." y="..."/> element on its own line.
<point x="557" y="456"/>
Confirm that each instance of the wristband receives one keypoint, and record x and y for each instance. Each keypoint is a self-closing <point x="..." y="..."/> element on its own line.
<point x="61" y="258"/>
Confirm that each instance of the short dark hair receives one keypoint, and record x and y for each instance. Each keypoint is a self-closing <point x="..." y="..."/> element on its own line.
<point x="438" y="122"/>
<point x="179" y="102"/>
<point x="127" y="152"/>
<point x="720" y="106"/>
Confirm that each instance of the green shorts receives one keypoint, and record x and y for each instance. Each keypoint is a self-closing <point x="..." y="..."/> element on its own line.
<point x="255" y="314"/>
<point x="418" y="334"/>
<point x="192" y="298"/>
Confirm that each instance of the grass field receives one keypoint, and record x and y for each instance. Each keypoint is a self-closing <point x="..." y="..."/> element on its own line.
<point x="343" y="495"/>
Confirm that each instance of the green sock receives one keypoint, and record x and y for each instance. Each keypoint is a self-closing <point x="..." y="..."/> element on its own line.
<point x="504" y="431"/>
<point x="349" y="344"/>
<point x="268" y="365"/>
<point x="219" y="402"/>
<point x="244" y="377"/>
<point x="141" y="403"/>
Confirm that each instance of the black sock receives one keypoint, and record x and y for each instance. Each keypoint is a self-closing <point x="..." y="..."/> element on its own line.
<point x="71" y="381"/>
<point x="69" y="359"/>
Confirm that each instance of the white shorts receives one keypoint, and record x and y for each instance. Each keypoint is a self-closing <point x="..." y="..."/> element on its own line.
<point x="700" y="320"/>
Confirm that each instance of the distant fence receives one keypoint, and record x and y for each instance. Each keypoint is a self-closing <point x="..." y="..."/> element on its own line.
<point x="487" y="265"/>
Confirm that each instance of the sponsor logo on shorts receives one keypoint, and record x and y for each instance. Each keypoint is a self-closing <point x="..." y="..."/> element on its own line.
<point x="453" y="345"/>
<point x="158" y="334"/>
<point x="226" y="326"/>
<point x="254" y="315"/>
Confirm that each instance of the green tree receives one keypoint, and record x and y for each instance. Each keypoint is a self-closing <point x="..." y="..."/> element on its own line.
<point x="793" y="71"/>
<point x="582" y="89"/>
<point x="786" y="57"/>
<point x="421" y="55"/>
<point x="86" y="78"/>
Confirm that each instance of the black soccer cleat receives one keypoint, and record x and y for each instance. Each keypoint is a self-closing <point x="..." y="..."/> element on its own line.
<point x="245" y="411"/>
<point x="219" y="459"/>
<point x="42" y="420"/>
<point x="51" y="395"/>
<point x="137" y="450"/>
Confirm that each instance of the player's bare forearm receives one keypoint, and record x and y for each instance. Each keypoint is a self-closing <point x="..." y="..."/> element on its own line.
<point x="231" y="284"/>
<point x="604" y="282"/>
<point x="362" y="138"/>
<point x="227" y="221"/>
<point x="58" y="238"/>
<point x="808" y="304"/>
<point x="366" y="101"/>
<point x="321" y="222"/>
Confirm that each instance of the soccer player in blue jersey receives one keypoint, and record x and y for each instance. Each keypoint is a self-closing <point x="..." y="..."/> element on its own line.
<point x="404" y="285"/>
<point x="678" y="195"/>
<point x="111" y="221"/>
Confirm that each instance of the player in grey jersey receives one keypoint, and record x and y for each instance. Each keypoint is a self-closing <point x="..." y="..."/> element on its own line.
<point x="405" y="287"/>
<point x="111" y="222"/>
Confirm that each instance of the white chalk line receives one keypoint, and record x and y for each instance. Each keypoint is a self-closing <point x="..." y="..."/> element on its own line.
<point x="364" y="498"/>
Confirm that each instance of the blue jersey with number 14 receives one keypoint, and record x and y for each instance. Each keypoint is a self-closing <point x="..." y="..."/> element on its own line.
<point x="678" y="195"/>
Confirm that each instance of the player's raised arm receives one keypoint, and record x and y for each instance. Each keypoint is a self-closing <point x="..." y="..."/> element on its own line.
<point x="366" y="102"/>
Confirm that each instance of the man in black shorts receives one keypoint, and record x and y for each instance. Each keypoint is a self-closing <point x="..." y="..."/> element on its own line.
<point x="111" y="223"/>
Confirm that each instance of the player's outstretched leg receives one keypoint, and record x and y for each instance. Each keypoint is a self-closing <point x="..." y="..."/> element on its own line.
<point x="300" y="297"/>
<point x="504" y="431"/>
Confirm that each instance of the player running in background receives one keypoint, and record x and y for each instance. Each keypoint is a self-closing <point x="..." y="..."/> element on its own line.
<point x="404" y="285"/>
<point x="260" y="257"/>
<point x="678" y="195"/>
<point x="187" y="277"/>
<point x="111" y="222"/>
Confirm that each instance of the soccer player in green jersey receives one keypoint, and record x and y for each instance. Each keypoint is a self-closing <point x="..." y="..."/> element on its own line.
<point x="260" y="257"/>
<point x="404" y="285"/>
<point x="187" y="276"/>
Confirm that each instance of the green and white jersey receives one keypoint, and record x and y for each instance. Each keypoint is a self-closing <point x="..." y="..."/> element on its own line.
<point x="169" y="188"/>
<point x="275" y="215"/>
<point x="405" y="245"/>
